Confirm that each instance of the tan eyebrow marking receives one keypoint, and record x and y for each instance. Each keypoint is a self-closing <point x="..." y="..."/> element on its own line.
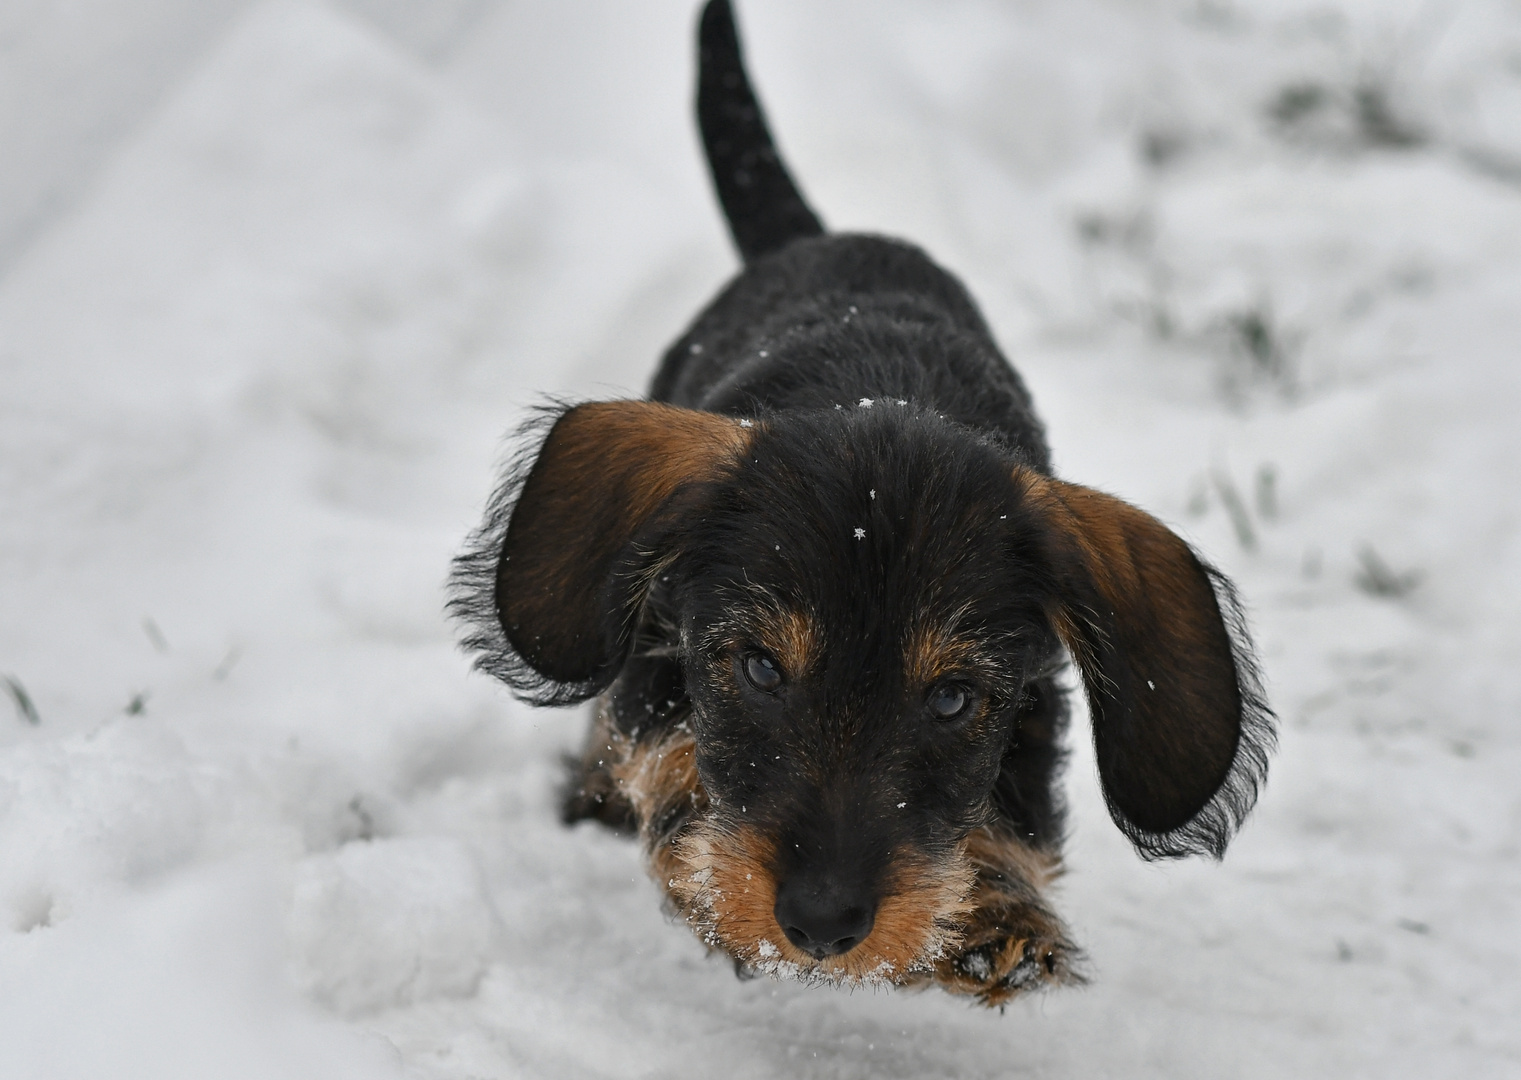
<point x="792" y="638"/>
<point x="936" y="649"/>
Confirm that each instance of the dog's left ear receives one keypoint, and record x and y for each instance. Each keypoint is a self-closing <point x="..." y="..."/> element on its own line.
<point x="1180" y="727"/>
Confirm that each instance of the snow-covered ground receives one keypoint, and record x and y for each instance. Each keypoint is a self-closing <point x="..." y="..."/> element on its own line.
<point x="1259" y="262"/>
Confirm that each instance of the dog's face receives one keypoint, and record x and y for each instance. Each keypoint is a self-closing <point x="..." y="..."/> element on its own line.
<point x="856" y="626"/>
<point x="854" y="603"/>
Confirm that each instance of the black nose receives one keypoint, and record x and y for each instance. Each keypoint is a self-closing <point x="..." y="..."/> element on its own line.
<point x="823" y="917"/>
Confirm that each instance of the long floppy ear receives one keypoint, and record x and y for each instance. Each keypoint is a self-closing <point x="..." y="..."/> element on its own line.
<point x="552" y="582"/>
<point x="1180" y="726"/>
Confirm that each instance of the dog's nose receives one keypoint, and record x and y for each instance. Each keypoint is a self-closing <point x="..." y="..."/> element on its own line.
<point x="823" y="918"/>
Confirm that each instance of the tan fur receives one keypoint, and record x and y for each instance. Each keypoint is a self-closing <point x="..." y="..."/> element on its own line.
<point x="791" y="638"/>
<point x="604" y="471"/>
<point x="728" y="895"/>
<point x="1011" y="941"/>
<point x="1136" y="563"/>
<point x="1007" y="854"/>
<point x="671" y="445"/>
<point x="987" y="895"/>
<point x="935" y="651"/>
<point x="659" y="779"/>
<point x="718" y="878"/>
<point x="1097" y="523"/>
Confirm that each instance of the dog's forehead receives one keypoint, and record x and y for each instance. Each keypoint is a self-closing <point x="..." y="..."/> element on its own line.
<point x="877" y="533"/>
<point x="870" y="488"/>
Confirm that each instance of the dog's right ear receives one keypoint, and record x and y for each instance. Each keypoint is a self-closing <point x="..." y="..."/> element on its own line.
<point x="553" y="581"/>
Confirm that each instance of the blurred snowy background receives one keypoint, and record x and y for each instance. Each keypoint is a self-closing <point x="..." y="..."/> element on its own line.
<point x="276" y="276"/>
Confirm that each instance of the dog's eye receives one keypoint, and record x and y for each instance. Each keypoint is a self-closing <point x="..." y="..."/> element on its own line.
<point x="947" y="700"/>
<point x="762" y="673"/>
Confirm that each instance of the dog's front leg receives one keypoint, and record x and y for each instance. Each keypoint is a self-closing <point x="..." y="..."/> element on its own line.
<point x="1011" y="940"/>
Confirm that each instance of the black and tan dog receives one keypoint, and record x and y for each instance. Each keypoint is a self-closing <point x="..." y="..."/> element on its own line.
<point x="822" y="585"/>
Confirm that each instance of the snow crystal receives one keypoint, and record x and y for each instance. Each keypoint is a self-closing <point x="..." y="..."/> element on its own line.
<point x="860" y="533"/>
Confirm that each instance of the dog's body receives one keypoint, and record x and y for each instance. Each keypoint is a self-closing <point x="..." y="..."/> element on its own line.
<point x="822" y="583"/>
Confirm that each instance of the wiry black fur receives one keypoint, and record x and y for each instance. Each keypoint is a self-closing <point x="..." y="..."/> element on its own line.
<point x="1211" y="828"/>
<point x="761" y="203"/>
<point x="831" y="320"/>
<point x="890" y="486"/>
<point x="472" y="584"/>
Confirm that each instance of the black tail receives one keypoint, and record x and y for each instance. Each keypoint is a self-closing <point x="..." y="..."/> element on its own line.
<point x="763" y="205"/>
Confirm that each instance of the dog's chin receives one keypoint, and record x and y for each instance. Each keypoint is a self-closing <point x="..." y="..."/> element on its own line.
<point x="720" y="884"/>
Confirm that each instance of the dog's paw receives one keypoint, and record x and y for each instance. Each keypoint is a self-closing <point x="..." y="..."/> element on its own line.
<point x="1001" y="958"/>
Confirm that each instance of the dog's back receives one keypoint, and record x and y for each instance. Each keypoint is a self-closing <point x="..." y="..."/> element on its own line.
<point x="818" y="319"/>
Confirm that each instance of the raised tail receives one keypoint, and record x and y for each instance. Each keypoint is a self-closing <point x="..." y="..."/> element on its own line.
<point x="763" y="205"/>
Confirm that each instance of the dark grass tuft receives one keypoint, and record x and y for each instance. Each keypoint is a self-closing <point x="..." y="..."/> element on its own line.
<point x="1359" y="115"/>
<point x="155" y="635"/>
<point x="25" y="707"/>
<point x="1235" y="509"/>
<point x="1377" y="578"/>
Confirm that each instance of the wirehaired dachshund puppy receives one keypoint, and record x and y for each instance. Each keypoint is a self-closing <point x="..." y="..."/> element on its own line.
<point x="822" y="585"/>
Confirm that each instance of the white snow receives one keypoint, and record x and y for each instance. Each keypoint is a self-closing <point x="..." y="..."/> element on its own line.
<point x="1258" y="263"/>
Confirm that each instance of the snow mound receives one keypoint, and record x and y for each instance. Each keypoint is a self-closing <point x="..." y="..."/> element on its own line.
<point x="389" y="923"/>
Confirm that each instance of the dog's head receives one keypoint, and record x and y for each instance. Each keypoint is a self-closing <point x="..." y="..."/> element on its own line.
<point x="858" y="600"/>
